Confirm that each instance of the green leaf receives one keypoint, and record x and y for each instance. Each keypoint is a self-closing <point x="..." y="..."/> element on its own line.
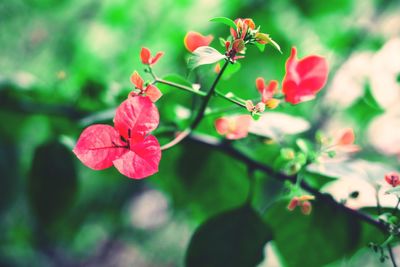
<point x="322" y="237"/>
<point x="52" y="182"/>
<point x="204" y="55"/>
<point x="187" y="177"/>
<point x="235" y="238"/>
<point x="225" y="21"/>
<point x="260" y="47"/>
<point x="231" y="70"/>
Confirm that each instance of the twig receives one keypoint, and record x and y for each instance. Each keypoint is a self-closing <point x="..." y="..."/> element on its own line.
<point x="235" y="153"/>
<point x="200" y="113"/>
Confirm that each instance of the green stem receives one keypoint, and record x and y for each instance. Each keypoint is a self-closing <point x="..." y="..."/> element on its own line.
<point x="200" y="113"/>
<point x="182" y="87"/>
<point x="218" y="93"/>
<point x="396" y="208"/>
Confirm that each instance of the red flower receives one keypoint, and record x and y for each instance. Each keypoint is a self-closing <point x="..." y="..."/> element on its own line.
<point x="151" y="91"/>
<point x="392" y="178"/>
<point x="128" y="145"/>
<point x="145" y="56"/>
<point x="193" y="40"/>
<point x="304" y="78"/>
<point x="234" y="127"/>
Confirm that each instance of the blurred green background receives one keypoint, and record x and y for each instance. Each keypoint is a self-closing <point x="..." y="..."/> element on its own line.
<point x="65" y="64"/>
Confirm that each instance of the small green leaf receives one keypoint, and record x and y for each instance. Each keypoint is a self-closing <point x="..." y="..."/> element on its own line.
<point x="260" y="47"/>
<point x="222" y="41"/>
<point x="225" y="21"/>
<point x="232" y="69"/>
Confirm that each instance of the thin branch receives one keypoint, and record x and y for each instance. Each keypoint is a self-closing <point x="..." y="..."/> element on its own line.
<point x="182" y="87"/>
<point x="200" y="113"/>
<point x="391" y="254"/>
<point x="235" y="153"/>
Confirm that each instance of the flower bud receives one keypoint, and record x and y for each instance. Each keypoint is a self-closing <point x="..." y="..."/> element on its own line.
<point x="306" y="207"/>
<point x="294" y="202"/>
<point x="392" y="178"/>
<point x="272" y="103"/>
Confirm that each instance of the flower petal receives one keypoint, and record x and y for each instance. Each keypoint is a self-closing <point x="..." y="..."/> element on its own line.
<point x="242" y="127"/>
<point x="142" y="160"/>
<point x="156" y="58"/>
<point x="193" y="40"/>
<point x="347" y="137"/>
<point x="145" y="55"/>
<point x="304" y="78"/>
<point x="96" y="147"/>
<point x="153" y="93"/>
<point x="136" y="117"/>
<point x="222" y="125"/>
<point x="136" y="80"/>
<point x="260" y="84"/>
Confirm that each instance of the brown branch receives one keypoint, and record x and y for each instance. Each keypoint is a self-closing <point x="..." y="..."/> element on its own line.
<point x="235" y="153"/>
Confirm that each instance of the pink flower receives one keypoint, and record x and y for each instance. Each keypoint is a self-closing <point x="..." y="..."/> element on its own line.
<point x="392" y="178"/>
<point x="145" y="56"/>
<point x="150" y="90"/>
<point x="234" y="127"/>
<point x="128" y="145"/>
<point x="304" y="78"/>
<point x="193" y="40"/>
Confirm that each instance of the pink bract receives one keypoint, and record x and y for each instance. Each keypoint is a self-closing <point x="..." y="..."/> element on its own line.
<point x="127" y="146"/>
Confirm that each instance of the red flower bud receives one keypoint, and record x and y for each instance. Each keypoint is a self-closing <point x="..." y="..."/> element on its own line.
<point x="306" y="207"/>
<point x="392" y="178"/>
<point x="294" y="202"/>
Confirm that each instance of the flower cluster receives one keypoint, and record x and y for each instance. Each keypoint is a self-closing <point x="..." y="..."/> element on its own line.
<point x="128" y="145"/>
